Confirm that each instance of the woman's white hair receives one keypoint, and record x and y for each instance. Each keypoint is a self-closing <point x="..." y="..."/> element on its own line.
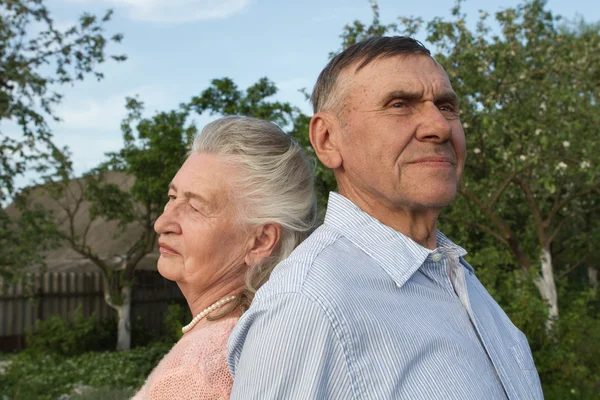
<point x="275" y="185"/>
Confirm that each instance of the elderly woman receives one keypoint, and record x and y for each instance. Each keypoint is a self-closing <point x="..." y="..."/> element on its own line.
<point x="241" y="202"/>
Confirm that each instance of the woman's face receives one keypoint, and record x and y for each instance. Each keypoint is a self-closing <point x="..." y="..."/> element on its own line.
<point x="201" y="240"/>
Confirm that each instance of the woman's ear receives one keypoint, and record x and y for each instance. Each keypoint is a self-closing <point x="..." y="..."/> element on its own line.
<point x="324" y="130"/>
<point x="263" y="243"/>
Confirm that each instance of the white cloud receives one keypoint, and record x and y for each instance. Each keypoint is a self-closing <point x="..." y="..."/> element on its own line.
<point x="90" y="114"/>
<point x="177" y="11"/>
<point x="106" y="113"/>
<point x="90" y="126"/>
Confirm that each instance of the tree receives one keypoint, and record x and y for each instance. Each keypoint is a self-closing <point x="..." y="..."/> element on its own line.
<point x="224" y="98"/>
<point x="154" y="150"/>
<point x="528" y="204"/>
<point x="530" y="115"/>
<point x="36" y="58"/>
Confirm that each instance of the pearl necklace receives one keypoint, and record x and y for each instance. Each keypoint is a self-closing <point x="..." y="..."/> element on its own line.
<point x="207" y="311"/>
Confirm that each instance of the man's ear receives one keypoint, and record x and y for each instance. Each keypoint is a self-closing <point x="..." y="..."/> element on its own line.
<point x="324" y="130"/>
<point x="262" y="243"/>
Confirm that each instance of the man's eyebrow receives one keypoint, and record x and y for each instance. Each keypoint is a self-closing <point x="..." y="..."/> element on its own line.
<point x="447" y="97"/>
<point x="402" y="94"/>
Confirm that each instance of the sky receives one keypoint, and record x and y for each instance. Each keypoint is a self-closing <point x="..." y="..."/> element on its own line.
<point x="176" y="47"/>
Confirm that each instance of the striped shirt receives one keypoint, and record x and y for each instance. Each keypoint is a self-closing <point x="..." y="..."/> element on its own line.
<point x="360" y="311"/>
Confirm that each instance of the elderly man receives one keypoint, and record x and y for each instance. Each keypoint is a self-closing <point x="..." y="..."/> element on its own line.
<point x="376" y="303"/>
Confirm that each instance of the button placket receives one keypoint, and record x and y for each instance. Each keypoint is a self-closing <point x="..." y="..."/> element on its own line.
<point x="457" y="276"/>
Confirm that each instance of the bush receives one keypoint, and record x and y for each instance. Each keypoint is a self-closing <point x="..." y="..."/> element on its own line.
<point x="568" y="362"/>
<point x="62" y="337"/>
<point x="34" y="375"/>
<point x="103" y="394"/>
<point x="175" y="318"/>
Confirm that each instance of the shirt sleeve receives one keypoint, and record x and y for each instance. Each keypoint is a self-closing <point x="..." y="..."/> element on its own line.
<point x="285" y="347"/>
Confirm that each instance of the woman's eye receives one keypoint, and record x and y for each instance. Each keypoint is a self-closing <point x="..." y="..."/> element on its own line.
<point x="195" y="206"/>
<point x="171" y="197"/>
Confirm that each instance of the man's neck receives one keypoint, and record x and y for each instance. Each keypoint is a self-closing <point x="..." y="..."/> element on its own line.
<point x="417" y="224"/>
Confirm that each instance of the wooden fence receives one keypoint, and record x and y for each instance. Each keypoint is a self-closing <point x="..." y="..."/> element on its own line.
<point x="40" y="295"/>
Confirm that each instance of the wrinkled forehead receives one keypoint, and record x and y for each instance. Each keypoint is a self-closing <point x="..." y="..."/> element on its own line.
<point x="207" y="176"/>
<point x="405" y="66"/>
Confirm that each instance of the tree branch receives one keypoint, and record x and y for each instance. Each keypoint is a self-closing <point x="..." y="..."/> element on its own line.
<point x="502" y="188"/>
<point x="558" y="205"/>
<point x="508" y="239"/>
<point x="574" y="266"/>
<point x="537" y="216"/>
<point x="506" y="231"/>
<point x="557" y="230"/>
<point x="475" y="225"/>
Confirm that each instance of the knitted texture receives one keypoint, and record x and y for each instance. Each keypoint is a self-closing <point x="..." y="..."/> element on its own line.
<point x="195" y="368"/>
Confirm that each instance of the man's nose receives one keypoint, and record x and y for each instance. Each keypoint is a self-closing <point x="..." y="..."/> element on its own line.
<point x="434" y="125"/>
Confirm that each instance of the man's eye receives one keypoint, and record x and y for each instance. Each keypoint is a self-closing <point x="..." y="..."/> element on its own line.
<point x="447" y="107"/>
<point x="399" y="104"/>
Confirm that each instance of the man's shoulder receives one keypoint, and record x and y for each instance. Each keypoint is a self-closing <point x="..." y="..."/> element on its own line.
<point x="291" y="274"/>
<point x="322" y="270"/>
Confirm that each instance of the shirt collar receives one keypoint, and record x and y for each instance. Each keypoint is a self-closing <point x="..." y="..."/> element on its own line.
<point x="397" y="254"/>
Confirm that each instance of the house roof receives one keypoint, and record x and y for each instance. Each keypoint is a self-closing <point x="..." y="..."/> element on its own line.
<point x="105" y="238"/>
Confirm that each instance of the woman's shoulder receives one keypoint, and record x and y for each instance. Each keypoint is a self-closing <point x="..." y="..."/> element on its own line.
<point x="196" y="365"/>
<point x="206" y="341"/>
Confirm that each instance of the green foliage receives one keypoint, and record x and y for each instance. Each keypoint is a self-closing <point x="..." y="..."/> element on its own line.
<point x="357" y="31"/>
<point x="33" y="63"/>
<point x="35" y="59"/>
<point x="224" y="98"/>
<point x="529" y="105"/>
<point x="45" y="376"/>
<point x="154" y="150"/>
<point x="68" y="338"/>
<point x="175" y="318"/>
<point x="103" y="394"/>
<point x="530" y="114"/>
<point x="26" y="79"/>
<point x="25" y="231"/>
<point x="568" y="363"/>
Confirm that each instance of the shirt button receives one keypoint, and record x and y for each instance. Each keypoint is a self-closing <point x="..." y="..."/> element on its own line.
<point x="436" y="257"/>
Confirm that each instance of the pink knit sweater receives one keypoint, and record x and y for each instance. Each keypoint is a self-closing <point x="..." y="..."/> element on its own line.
<point x="195" y="368"/>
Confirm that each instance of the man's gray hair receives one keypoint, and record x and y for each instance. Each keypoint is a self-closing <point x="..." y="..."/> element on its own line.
<point x="326" y="96"/>
<point x="276" y="183"/>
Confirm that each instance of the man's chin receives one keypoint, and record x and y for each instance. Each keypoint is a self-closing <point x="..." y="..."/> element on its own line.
<point x="438" y="199"/>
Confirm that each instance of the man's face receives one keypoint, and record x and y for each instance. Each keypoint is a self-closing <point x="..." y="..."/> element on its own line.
<point x="402" y="144"/>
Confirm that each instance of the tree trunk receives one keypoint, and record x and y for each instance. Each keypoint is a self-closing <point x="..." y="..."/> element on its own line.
<point x="592" y="273"/>
<point x="123" y="309"/>
<point x="124" y="326"/>
<point x="547" y="287"/>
